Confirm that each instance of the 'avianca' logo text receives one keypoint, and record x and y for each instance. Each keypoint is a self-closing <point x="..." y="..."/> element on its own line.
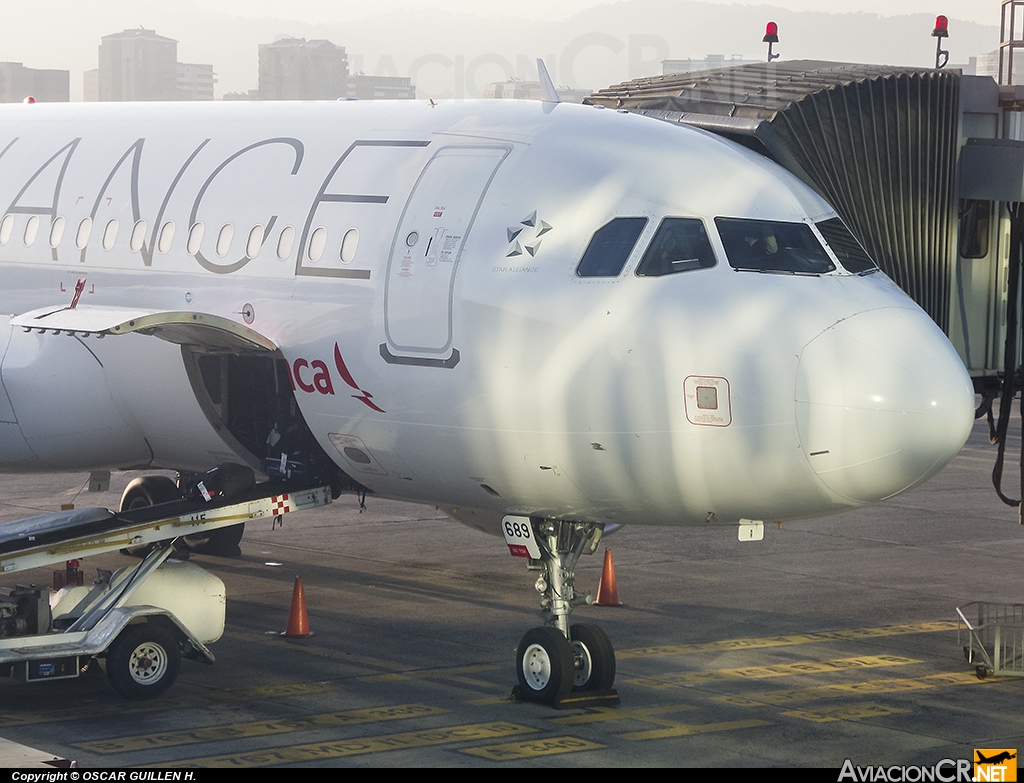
<point x="321" y="382"/>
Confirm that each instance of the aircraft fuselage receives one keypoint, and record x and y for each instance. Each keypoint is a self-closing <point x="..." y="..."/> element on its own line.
<point x="418" y="269"/>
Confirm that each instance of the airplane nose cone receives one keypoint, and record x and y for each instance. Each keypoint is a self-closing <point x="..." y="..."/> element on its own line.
<point x="883" y="402"/>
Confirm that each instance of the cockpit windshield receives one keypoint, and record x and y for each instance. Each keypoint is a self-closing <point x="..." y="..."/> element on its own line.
<point x="771" y="246"/>
<point x="681" y="244"/>
<point x="848" y="250"/>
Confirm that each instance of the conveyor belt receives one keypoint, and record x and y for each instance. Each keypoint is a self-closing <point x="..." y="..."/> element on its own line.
<point x="61" y="535"/>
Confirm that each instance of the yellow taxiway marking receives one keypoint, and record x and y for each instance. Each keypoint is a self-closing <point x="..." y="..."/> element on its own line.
<point x="784" y="641"/>
<point x="598" y="714"/>
<point x="850" y="712"/>
<point x="334" y="749"/>
<point x="532" y="748"/>
<point x="840" y="690"/>
<point x="685" y="729"/>
<point x="163" y="705"/>
<point x="263" y="728"/>
<point x="670" y="728"/>
<point x="775" y="670"/>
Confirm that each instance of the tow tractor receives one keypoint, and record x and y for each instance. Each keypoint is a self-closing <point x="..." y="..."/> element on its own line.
<point x="142" y="619"/>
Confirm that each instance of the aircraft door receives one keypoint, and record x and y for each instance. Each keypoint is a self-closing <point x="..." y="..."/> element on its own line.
<point x="6" y="411"/>
<point x="425" y="254"/>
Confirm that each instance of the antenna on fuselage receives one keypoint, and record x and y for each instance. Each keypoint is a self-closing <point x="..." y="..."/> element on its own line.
<point x="548" y="93"/>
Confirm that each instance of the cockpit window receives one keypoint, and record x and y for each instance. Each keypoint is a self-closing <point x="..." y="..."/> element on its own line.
<point x="680" y="245"/>
<point x="769" y="246"/>
<point x="844" y="244"/>
<point x="610" y="247"/>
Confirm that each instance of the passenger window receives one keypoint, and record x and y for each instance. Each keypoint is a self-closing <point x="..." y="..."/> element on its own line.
<point x="163" y="242"/>
<point x="285" y="242"/>
<point x="254" y="243"/>
<point x="110" y="234"/>
<point x="56" y="232"/>
<point x="82" y="235"/>
<point x="317" y="243"/>
<point x="349" y="245"/>
<point x="31" y="229"/>
<point x="844" y="244"/>
<point x="6" y="228"/>
<point x="610" y="247"/>
<point x="227" y="233"/>
<point x="195" y="238"/>
<point x="680" y="245"/>
<point x="138" y="237"/>
<point x="769" y="246"/>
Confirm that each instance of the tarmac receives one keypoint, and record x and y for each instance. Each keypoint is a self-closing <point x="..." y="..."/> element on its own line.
<point x="830" y="640"/>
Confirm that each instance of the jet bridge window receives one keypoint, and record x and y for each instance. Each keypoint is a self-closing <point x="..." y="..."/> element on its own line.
<point x="770" y="246"/>
<point x="975" y="222"/>
<point x="844" y="244"/>
<point x="610" y="247"/>
<point x="680" y="245"/>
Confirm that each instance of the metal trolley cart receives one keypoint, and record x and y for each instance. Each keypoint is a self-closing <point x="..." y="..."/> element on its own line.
<point x="993" y="637"/>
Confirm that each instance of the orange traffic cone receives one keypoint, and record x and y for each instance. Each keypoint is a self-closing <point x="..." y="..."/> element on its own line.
<point x="607" y="592"/>
<point x="298" y="621"/>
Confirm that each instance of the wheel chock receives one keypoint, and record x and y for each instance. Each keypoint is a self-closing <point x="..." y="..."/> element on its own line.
<point x="607" y="592"/>
<point x="298" y="620"/>
<point x="574" y="700"/>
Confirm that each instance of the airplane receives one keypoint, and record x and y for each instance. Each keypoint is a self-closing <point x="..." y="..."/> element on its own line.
<point x="546" y="319"/>
<point x="996" y="759"/>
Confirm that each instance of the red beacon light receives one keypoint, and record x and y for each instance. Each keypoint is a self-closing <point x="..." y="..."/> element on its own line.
<point x="941" y="31"/>
<point x="771" y="37"/>
<point x="29" y="99"/>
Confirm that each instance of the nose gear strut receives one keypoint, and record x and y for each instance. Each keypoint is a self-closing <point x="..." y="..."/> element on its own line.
<point x="561" y="664"/>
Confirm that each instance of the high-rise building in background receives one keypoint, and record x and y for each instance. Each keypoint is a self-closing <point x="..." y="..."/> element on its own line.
<point x="987" y="64"/>
<point x="195" y="82"/>
<point x="294" y="68"/>
<point x="297" y="69"/>
<point x="380" y="88"/>
<point x="710" y="62"/>
<point x="138" y="65"/>
<point x="18" y="83"/>
<point x="524" y="89"/>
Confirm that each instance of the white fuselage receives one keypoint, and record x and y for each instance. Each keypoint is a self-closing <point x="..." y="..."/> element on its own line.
<point x="441" y="345"/>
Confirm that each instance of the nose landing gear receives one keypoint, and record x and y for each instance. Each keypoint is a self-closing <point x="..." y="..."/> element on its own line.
<point x="559" y="664"/>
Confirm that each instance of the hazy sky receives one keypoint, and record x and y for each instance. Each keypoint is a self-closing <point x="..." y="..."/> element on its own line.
<point x="457" y="55"/>
<point x="982" y="11"/>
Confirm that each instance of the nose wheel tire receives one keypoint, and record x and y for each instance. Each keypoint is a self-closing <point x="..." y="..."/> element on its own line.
<point x="593" y="657"/>
<point x="143" y="492"/>
<point x="143" y="661"/>
<point x="544" y="665"/>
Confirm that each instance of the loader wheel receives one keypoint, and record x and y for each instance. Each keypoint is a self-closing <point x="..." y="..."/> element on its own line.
<point x="143" y="661"/>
